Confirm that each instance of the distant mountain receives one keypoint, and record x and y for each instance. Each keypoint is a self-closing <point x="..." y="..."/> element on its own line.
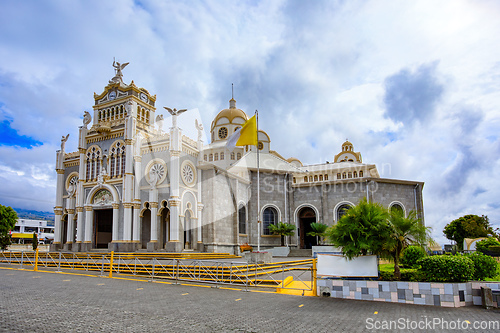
<point x="34" y="214"/>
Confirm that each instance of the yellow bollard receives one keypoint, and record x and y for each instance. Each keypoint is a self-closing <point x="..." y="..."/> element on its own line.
<point x="36" y="260"/>
<point x="314" y="287"/>
<point x="111" y="264"/>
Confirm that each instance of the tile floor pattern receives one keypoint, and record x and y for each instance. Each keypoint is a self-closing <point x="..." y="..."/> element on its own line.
<point x="52" y="302"/>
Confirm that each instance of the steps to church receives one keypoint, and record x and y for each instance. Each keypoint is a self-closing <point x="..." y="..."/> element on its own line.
<point x="300" y="253"/>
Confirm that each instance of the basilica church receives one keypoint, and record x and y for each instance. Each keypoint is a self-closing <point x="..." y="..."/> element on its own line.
<point x="131" y="185"/>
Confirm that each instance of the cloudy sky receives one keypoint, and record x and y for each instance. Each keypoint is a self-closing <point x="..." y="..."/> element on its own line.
<point x="414" y="85"/>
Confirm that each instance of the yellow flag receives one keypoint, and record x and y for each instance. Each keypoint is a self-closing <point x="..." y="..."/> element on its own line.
<point x="248" y="133"/>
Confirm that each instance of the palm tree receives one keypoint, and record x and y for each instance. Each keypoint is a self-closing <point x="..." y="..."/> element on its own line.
<point x="318" y="231"/>
<point x="282" y="229"/>
<point x="405" y="231"/>
<point x="363" y="229"/>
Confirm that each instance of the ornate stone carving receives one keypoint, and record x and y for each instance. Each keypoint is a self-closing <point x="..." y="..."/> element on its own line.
<point x="103" y="197"/>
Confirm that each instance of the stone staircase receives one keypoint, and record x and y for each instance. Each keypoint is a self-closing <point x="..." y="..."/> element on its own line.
<point x="300" y="253"/>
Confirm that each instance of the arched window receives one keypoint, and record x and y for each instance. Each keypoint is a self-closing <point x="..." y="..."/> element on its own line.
<point x="305" y="179"/>
<point x="117" y="159"/>
<point x="94" y="157"/>
<point x="310" y="178"/>
<point x="342" y="210"/>
<point x="396" y="207"/>
<point x="344" y="175"/>
<point x="320" y="178"/>
<point x="216" y="156"/>
<point x="269" y="216"/>
<point x="326" y="176"/>
<point x="355" y="174"/>
<point x="238" y="156"/>
<point x="221" y="156"/>
<point x="232" y="156"/>
<point x="205" y="157"/>
<point x="338" y="175"/>
<point x="315" y="178"/>
<point x="242" y="220"/>
<point x="361" y="173"/>
<point x="349" y="175"/>
<point x="210" y="157"/>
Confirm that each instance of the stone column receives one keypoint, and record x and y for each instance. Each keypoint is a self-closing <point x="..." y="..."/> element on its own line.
<point x="153" y="244"/>
<point x="137" y="222"/>
<point x="174" y="200"/>
<point x="127" y="221"/>
<point x="136" y="233"/>
<point x="71" y="227"/>
<point x="79" y="228"/>
<point x="116" y="215"/>
<point x="87" y="242"/>
<point x="59" y="206"/>
<point x="200" y="208"/>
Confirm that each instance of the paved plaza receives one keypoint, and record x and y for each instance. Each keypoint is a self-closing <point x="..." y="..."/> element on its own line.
<point x="58" y="302"/>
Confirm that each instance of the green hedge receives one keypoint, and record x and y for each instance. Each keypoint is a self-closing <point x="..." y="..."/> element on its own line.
<point x="411" y="255"/>
<point x="484" y="245"/>
<point x="444" y="268"/>
<point x="484" y="266"/>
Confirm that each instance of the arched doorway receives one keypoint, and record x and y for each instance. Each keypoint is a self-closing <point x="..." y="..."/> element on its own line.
<point x="103" y="227"/>
<point x="146" y="228"/>
<point x="188" y="231"/>
<point x="164" y="226"/>
<point x="64" y="234"/>
<point x="306" y="216"/>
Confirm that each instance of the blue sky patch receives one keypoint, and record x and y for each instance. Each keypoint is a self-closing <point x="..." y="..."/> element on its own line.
<point x="10" y="137"/>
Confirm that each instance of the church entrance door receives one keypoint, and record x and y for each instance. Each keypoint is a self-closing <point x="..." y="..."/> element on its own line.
<point x="306" y="217"/>
<point x="146" y="229"/>
<point x="164" y="227"/>
<point x="103" y="228"/>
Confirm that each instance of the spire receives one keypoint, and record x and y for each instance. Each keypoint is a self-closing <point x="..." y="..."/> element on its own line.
<point x="232" y="101"/>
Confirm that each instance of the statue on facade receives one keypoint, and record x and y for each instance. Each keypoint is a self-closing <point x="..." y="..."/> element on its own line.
<point x="63" y="142"/>
<point x="118" y="71"/>
<point x="174" y="114"/>
<point x="199" y="127"/>
<point x="87" y="118"/>
<point x="159" y="122"/>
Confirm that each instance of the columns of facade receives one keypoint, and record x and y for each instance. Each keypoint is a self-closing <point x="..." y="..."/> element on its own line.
<point x="71" y="227"/>
<point x="116" y="215"/>
<point x="154" y="221"/>
<point x="58" y="209"/>
<point x="136" y="234"/>
<point x="174" y="200"/>
<point x="88" y="225"/>
<point x="137" y="222"/>
<point x="127" y="191"/>
<point x="200" y="208"/>
<point x="79" y="224"/>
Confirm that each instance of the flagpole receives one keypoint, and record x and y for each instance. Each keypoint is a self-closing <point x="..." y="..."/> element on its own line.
<point x="259" y="222"/>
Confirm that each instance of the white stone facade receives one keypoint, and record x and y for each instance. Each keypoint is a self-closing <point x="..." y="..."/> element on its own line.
<point x="131" y="186"/>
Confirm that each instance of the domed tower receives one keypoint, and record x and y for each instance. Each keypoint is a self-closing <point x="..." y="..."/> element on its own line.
<point x="224" y="124"/>
<point x="227" y="122"/>
<point x="348" y="154"/>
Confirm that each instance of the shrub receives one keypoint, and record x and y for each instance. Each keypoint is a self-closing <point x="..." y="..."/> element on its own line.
<point x="484" y="266"/>
<point x="483" y="245"/>
<point x="444" y="268"/>
<point x="411" y="255"/>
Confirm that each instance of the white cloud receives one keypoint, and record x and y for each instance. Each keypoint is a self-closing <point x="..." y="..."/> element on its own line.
<point x="314" y="70"/>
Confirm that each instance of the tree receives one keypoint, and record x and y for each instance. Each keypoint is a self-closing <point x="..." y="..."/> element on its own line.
<point x="282" y="229"/>
<point x="405" y="231"/>
<point x="363" y="229"/>
<point x="35" y="241"/>
<point x="468" y="226"/>
<point x="8" y="219"/>
<point x="318" y="231"/>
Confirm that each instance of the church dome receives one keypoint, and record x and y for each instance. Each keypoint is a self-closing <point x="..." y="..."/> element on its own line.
<point x="230" y="114"/>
